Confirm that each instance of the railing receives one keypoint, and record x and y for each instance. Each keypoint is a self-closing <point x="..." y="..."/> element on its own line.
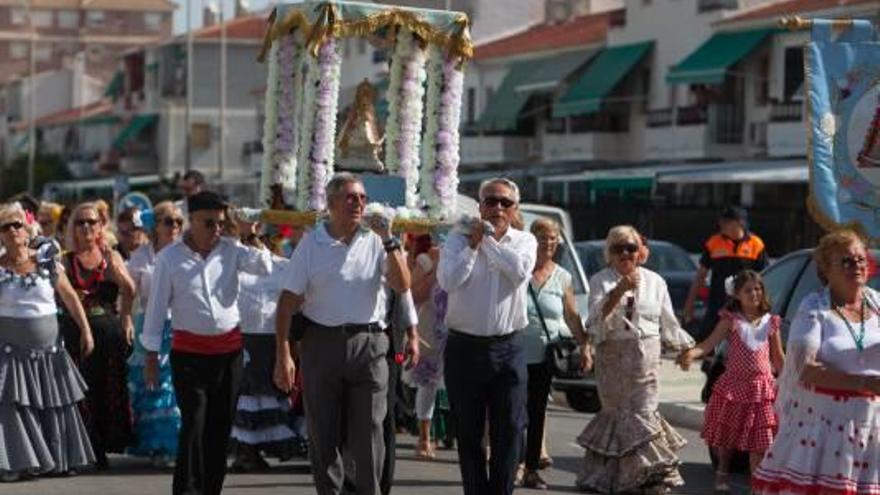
<point x="727" y="123"/>
<point x="693" y="115"/>
<point x="659" y="118"/>
<point x="712" y="5"/>
<point x="790" y="111"/>
<point x="617" y="18"/>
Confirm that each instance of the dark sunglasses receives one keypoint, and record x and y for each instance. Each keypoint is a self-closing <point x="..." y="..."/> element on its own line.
<point x="82" y="222"/>
<point x="171" y="222"/>
<point x="6" y="227"/>
<point x="850" y="262"/>
<point x="356" y="198"/>
<point x="625" y="248"/>
<point x="493" y="201"/>
<point x="214" y="224"/>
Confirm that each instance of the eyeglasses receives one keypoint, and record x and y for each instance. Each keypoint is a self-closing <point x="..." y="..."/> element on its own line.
<point x="6" y="227"/>
<point x="356" y="198"/>
<point x="172" y="222"/>
<point x="627" y="248"/>
<point x="212" y="224"/>
<point x="851" y="262"/>
<point x="83" y="222"/>
<point x="493" y="201"/>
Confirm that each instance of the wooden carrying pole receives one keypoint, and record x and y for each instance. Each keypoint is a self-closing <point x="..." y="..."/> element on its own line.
<point x="798" y="23"/>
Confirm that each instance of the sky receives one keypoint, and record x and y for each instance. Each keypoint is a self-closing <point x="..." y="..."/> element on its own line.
<point x="197" y="5"/>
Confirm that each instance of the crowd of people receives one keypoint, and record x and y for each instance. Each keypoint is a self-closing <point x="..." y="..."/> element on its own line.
<point x="189" y="332"/>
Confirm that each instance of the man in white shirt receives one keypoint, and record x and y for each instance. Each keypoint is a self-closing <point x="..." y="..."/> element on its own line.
<point x="197" y="280"/>
<point x="485" y="365"/>
<point x="338" y="277"/>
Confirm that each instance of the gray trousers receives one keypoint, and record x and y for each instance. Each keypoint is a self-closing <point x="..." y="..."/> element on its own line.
<point x="345" y="382"/>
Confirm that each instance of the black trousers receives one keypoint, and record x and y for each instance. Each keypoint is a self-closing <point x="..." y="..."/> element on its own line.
<point x="206" y="387"/>
<point x="483" y="377"/>
<point x="540" y="379"/>
<point x="389" y="427"/>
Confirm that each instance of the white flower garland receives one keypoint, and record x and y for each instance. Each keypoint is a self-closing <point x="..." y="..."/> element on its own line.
<point x="441" y="145"/>
<point x="405" y="112"/>
<point x="321" y="93"/>
<point x="270" y="117"/>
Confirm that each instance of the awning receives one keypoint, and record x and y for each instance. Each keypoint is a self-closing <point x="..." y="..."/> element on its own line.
<point x="115" y="86"/>
<point x="603" y="74"/>
<point x="502" y="111"/>
<point x="768" y="172"/>
<point x="134" y="127"/>
<point x="710" y="62"/>
<point x="546" y="74"/>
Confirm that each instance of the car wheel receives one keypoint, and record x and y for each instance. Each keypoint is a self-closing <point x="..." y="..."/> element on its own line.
<point x="581" y="401"/>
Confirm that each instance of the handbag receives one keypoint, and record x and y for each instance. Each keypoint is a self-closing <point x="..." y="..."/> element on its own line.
<point x="560" y="355"/>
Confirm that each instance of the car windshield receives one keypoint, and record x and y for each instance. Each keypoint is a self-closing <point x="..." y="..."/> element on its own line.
<point x="669" y="258"/>
<point x="565" y="259"/>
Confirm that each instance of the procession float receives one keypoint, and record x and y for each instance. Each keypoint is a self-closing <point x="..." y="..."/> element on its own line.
<point x="418" y="149"/>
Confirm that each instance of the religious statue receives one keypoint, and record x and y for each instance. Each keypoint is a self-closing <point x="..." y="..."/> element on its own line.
<point x="359" y="142"/>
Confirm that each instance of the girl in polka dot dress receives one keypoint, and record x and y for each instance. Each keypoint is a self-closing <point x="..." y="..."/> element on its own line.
<point x="740" y="413"/>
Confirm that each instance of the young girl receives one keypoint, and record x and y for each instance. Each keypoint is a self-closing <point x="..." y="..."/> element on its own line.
<point x="740" y="413"/>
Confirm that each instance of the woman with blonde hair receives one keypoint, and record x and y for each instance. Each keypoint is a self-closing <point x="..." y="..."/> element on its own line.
<point x="106" y="291"/>
<point x="828" y="391"/>
<point x="629" y="446"/>
<point x="42" y="430"/>
<point x="155" y="411"/>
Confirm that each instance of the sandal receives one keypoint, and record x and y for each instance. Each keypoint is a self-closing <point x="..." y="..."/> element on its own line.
<point x="531" y="479"/>
<point x="722" y="482"/>
<point x="425" y="450"/>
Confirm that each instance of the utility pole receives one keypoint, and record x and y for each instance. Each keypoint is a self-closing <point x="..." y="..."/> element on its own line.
<point x="189" y="87"/>
<point x="221" y="158"/>
<point x="32" y="88"/>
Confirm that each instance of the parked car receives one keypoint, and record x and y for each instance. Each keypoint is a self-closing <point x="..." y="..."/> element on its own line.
<point x="669" y="260"/>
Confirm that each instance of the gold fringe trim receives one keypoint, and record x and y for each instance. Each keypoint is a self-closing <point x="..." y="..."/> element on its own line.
<point x="309" y="218"/>
<point x="328" y="25"/>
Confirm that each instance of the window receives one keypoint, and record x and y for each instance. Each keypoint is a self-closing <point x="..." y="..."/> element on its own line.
<point x="490" y="93"/>
<point x="794" y="73"/>
<point x="18" y="49"/>
<point x="43" y="52"/>
<point x="95" y="18"/>
<point x="41" y="18"/>
<point x="471" y="105"/>
<point x="68" y="19"/>
<point x="18" y="16"/>
<point x="153" y="21"/>
<point x="763" y="90"/>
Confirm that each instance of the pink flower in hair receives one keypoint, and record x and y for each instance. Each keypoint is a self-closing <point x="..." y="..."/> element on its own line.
<point x="29" y="217"/>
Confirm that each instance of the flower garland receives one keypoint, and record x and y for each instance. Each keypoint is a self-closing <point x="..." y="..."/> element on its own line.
<point x="270" y="117"/>
<point x="440" y="150"/>
<point x="405" y="111"/>
<point x="319" y="131"/>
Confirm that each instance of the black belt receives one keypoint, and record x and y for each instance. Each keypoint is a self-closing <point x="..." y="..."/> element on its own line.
<point x="485" y="339"/>
<point x="348" y="328"/>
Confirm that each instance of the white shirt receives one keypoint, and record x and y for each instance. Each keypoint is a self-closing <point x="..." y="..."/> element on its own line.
<point x="201" y="293"/>
<point x="341" y="283"/>
<point x="17" y="301"/>
<point x="140" y="266"/>
<point x="652" y="315"/>
<point x="258" y="299"/>
<point x="487" y="286"/>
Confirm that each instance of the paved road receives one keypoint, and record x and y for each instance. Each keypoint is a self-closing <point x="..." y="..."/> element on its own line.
<point x="134" y="476"/>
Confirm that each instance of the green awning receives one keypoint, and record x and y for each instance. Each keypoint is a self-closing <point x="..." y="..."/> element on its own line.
<point x="114" y="89"/>
<point x="709" y="63"/>
<point x="134" y="127"/>
<point x="602" y="75"/>
<point x="546" y="74"/>
<point x="99" y="120"/>
<point x="502" y="111"/>
<point x="622" y="184"/>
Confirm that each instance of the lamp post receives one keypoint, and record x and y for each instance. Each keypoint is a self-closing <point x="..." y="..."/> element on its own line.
<point x="32" y="87"/>
<point x="221" y="158"/>
<point x="187" y="165"/>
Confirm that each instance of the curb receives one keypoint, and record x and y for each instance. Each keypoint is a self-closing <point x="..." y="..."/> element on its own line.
<point x="683" y="414"/>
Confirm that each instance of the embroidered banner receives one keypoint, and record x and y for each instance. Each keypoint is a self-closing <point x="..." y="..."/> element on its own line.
<point x="843" y="119"/>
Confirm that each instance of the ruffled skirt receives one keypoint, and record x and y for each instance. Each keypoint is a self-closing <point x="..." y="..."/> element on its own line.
<point x="41" y="429"/>
<point x="629" y="446"/>
<point x="827" y="445"/>
<point x="740" y="413"/>
<point x="155" y="413"/>
<point x="264" y="417"/>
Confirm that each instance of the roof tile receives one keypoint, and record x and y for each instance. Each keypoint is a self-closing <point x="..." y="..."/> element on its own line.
<point x="580" y="31"/>
<point x="792" y="7"/>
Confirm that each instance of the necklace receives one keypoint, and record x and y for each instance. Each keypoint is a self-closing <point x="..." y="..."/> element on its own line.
<point x="860" y="339"/>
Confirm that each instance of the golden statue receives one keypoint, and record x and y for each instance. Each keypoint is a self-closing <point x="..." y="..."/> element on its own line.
<point x="359" y="141"/>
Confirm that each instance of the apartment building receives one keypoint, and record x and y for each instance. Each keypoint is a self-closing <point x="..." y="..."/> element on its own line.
<point x="59" y="29"/>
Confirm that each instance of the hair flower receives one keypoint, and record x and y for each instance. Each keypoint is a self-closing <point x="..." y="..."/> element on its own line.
<point x="729" y="286"/>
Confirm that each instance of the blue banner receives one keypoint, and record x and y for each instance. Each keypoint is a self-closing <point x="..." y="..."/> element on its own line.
<point x="843" y="117"/>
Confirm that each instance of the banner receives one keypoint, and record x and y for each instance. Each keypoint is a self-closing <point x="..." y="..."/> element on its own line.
<point x="843" y="124"/>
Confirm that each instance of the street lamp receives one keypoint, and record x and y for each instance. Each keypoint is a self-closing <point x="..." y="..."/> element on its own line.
<point x="32" y="87"/>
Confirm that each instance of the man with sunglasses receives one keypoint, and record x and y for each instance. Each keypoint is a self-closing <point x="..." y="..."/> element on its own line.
<point x="338" y="276"/>
<point x="486" y="274"/>
<point x="196" y="278"/>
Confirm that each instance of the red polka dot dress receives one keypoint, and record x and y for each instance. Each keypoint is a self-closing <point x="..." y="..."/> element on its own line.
<point x="740" y="413"/>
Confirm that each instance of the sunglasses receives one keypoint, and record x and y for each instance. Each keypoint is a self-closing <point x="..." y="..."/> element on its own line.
<point x="850" y="262"/>
<point x="493" y="201"/>
<point x="212" y="224"/>
<point x="624" y="248"/>
<point x="173" y="222"/>
<point x="356" y="198"/>
<point x="6" y="227"/>
<point x="82" y="222"/>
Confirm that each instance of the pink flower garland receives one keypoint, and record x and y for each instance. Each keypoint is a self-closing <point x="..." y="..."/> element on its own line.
<point x="289" y="80"/>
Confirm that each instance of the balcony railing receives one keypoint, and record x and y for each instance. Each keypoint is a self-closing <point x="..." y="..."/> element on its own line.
<point x="790" y="111"/>
<point x="712" y="5"/>
<point x="617" y="18"/>
<point x="660" y="118"/>
<point x="727" y="123"/>
<point x="693" y="115"/>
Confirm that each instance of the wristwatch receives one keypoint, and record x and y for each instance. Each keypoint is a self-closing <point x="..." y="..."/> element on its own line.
<point x="392" y="244"/>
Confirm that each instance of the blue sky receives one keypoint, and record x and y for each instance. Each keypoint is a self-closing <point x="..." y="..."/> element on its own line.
<point x="197" y="5"/>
